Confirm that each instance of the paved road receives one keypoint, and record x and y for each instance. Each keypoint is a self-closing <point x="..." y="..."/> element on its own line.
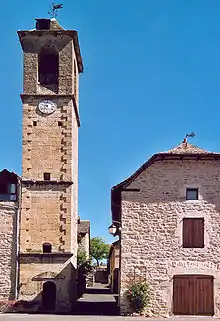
<point x="25" y="317"/>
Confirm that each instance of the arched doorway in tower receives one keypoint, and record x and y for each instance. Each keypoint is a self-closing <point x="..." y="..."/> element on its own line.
<point x="49" y="295"/>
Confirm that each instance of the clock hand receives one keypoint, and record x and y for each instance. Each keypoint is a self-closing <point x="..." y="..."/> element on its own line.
<point x="53" y="123"/>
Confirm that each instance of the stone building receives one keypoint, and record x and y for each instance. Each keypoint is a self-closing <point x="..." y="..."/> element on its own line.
<point x="168" y="218"/>
<point x="113" y="266"/>
<point x="84" y="237"/>
<point x="9" y="222"/>
<point x="49" y="198"/>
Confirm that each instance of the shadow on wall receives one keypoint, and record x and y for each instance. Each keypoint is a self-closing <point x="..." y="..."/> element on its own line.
<point x="57" y="295"/>
<point x="14" y="270"/>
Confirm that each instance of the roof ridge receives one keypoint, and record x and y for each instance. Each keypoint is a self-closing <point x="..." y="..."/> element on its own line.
<point x="187" y="148"/>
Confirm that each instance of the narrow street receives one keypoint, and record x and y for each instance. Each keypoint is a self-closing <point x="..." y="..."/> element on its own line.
<point x="97" y="300"/>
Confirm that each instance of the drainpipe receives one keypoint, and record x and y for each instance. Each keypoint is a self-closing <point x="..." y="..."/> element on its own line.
<point x="17" y="238"/>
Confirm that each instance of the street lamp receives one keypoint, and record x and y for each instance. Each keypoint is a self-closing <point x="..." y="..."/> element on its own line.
<point x="112" y="229"/>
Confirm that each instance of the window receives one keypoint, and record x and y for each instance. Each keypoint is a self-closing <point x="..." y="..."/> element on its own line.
<point x="192" y="194"/>
<point x="8" y="192"/>
<point x="47" y="248"/>
<point x="193" y="232"/>
<point x="48" y="66"/>
<point x="12" y="192"/>
<point x="47" y="176"/>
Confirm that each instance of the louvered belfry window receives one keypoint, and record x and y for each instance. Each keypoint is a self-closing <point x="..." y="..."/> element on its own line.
<point x="193" y="232"/>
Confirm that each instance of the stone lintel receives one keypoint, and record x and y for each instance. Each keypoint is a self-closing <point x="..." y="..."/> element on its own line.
<point x="31" y="257"/>
<point x="35" y="182"/>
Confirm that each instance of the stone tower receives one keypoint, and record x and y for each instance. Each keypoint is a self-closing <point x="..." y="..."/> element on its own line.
<point x="48" y="224"/>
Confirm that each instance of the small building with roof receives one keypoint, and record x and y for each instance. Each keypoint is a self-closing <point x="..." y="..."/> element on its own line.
<point x="167" y="216"/>
<point x="84" y="237"/>
<point x="9" y="222"/>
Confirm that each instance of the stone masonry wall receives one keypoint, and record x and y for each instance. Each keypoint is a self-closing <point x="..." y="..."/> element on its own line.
<point x="8" y="236"/>
<point x="151" y="237"/>
<point x="46" y="217"/>
<point x="84" y="244"/>
<point x="49" y="146"/>
<point x="32" y="44"/>
<point x="43" y="268"/>
<point x="74" y="202"/>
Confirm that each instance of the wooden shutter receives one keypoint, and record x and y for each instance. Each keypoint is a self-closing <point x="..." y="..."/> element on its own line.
<point x="193" y="232"/>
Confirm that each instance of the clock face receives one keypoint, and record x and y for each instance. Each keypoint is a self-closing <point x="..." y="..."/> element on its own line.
<point x="47" y="106"/>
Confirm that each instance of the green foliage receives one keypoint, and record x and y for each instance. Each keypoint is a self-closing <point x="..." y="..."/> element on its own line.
<point x="99" y="250"/>
<point x="138" y="294"/>
<point x="83" y="263"/>
<point x="81" y="258"/>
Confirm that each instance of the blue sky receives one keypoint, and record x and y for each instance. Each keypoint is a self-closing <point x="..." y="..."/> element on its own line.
<point x="152" y="74"/>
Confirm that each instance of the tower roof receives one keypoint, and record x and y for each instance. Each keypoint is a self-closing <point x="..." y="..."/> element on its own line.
<point x="47" y="27"/>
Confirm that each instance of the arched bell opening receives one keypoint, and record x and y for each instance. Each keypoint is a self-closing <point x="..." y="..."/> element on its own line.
<point x="48" y="67"/>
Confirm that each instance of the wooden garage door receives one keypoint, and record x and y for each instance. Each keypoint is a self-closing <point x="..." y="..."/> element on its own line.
<point x="193" y="295"/>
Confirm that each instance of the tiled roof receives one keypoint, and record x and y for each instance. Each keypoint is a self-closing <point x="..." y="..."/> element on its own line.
<point x="186" y="148"/>
<point x="84" y="227"/>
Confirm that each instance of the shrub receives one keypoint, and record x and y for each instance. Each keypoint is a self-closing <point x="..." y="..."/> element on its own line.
<point x="83" y="263"/>
<point x="138" y="294"/>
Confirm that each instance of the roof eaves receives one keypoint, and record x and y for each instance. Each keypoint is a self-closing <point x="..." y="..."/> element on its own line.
<point x="162" y="156"/>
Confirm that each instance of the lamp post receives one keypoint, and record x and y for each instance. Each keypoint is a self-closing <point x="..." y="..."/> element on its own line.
<point x="112" y="229"/>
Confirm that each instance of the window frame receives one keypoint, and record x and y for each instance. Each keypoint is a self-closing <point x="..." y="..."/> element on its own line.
<point x="12" y="193"/>
<point x="9" y="196"/>
<point x="192" y="189"/>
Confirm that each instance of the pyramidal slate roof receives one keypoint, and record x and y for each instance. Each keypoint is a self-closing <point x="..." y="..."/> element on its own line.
<point x="187" y="148"/>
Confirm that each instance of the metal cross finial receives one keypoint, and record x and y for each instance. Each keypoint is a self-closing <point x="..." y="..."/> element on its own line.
<point x="54" y="9"/>
<point x="189" y="135"/>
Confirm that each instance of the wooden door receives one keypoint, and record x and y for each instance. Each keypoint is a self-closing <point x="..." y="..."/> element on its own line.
<point x="193" y="295"/>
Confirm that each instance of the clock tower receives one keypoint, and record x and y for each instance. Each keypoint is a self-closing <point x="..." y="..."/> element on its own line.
<point x="49" y="214"/>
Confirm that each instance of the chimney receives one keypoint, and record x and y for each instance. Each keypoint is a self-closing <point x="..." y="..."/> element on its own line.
<point x="43" y="24"/>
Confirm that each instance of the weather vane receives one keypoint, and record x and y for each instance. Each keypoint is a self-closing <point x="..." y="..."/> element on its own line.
<point x="189" y="135"/>
<point x="54" y="10"/>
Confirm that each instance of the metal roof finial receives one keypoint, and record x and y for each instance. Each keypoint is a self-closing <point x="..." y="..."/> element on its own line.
<point x="189" y="135"/>
<point x="54" y="10"/>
